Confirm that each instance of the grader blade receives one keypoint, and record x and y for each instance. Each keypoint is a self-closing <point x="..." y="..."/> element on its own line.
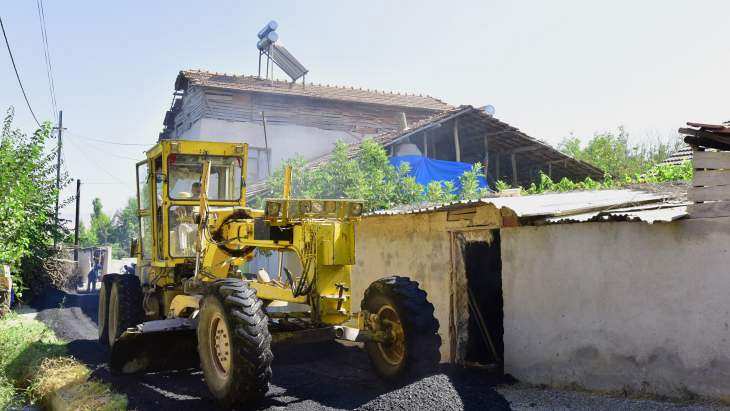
<point x="155" y="346"/>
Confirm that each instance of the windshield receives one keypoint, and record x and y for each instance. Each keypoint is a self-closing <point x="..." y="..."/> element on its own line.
<point x="185" y="171"/>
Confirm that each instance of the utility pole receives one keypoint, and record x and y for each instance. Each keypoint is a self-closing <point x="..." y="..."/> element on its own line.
<point x="76" y="225"/>
<point x="58" y="166"/>
<point x="266" y="147"/>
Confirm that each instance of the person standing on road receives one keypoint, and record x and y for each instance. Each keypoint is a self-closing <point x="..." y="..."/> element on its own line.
<point x="93" y="275"/>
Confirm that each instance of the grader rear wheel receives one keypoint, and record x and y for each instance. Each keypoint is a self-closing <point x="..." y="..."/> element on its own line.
<point x="407" y="318"/>
<point x="234" y="343"/>
<point x="125" y="306"/>
<point x="103" y="309"/>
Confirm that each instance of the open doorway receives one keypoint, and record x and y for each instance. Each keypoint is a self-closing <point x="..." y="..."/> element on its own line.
<point x="483" y="266"/>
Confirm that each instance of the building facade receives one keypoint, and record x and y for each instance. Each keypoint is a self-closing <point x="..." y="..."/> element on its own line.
<point x="279" y="119"/>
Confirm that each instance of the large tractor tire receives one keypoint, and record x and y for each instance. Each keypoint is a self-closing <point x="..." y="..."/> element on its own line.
<point x="405" y="313"/>
<point x="125" y="306"/>
<point x="103" y="310"/>
<point x="234" y="343"/>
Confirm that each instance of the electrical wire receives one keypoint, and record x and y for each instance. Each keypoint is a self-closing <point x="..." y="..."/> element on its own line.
<point x="47" y="57"/>
<point x="107" y="153"/>
<point x="15" y="67"/>
<point x="100" y="167"/>
<point x="98" y="140"/>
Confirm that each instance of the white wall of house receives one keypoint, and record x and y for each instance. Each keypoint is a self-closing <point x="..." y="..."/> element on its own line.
<point x="284" y="141"/>
<point x="620" y="306"/>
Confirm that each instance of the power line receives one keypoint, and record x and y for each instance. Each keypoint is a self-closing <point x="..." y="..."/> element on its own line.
<point x="107" y="153"/>
<point x="109" y="141"/>
<point x="99" y="166"/>
<point x="47" y="56"/>
<point x="20" y="83"/>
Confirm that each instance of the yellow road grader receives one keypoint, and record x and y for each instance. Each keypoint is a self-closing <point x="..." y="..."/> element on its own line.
<point x="197" y="286"/>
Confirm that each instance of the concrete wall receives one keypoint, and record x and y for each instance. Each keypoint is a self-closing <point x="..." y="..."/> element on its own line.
<point x="415" y="246"/>
<point x="620" y="306"/>
<point x="285" y="141"/>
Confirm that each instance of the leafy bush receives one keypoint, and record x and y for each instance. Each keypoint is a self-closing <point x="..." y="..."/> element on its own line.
<point x="369" y="176"/>
<point x="613" y="153"/>
<point x="658" y="174"/>
<point x="27" y="210"/>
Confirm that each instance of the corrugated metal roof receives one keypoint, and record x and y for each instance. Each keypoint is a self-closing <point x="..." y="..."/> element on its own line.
<point x="544" y="152"/>
<point x="575" y="206"/>
<point x="680" y="156"/>
<point x="650" y="213"/>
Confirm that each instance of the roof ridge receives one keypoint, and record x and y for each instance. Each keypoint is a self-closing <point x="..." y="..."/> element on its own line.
<point x="329" y="86"/>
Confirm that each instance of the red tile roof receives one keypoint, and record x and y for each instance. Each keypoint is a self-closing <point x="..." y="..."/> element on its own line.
<point x="187" y="78"/>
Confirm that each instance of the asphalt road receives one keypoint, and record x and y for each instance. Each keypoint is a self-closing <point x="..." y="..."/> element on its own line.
<point x="311" y="377"/>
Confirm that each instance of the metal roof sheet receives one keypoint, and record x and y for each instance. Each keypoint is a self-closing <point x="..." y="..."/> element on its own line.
<point x="575" y="206"/>
<point x="651" y="213"/>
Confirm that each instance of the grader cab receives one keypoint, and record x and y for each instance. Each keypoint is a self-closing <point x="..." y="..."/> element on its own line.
<point x="198" y="286"/>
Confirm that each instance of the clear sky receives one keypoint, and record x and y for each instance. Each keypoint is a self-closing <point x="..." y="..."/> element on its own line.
<point x="550" y="68"/>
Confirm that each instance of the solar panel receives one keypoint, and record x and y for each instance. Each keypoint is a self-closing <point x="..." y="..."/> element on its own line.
<point x="286" y="61"/>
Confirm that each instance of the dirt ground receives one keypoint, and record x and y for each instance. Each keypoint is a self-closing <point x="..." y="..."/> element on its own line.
<point x="317" y="377"/>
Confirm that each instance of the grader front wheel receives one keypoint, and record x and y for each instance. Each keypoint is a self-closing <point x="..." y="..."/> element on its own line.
<point x="234" y="343"/>
<point x="403" y="313"/>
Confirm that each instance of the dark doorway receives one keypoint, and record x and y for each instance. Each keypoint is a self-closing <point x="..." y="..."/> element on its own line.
<point x="483" y="265"/>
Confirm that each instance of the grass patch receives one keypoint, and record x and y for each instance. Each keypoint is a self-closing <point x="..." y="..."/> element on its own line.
<point x="24" y="344"/>
<point x="7" y="393"/>
<point x="34" y="369"/>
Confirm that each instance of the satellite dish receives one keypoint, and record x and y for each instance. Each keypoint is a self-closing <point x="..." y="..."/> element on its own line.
<point x="489" y="109"/>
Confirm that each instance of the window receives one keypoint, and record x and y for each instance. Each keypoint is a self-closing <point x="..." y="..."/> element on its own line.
<point x="159" y="181"/>
<point x="258" y="159"/>
<point x="145" y="221"/>
<point x="145" y="225"/>
<point x="143" y="186"/>
<point x="185" y="173"/>
<point x="182" y="231"/>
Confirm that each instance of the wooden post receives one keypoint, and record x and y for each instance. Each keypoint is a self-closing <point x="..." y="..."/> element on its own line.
<point x="76" y="224"/>
<point x="457" y="149"/>
<point x="496" y="166"/>
<point x="550" y="170"/>
<point x="514" y="170"/>
<point x="425" y="143"/>
<point x="486" y="157"/>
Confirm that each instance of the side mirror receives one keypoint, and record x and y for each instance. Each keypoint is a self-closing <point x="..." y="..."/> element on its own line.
<point x="134" y="247"/>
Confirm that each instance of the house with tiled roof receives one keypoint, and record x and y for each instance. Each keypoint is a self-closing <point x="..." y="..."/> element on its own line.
<point x="280" y="119"/>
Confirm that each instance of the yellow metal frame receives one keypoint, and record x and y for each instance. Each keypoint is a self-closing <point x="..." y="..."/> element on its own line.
<point x="321" y="235"/>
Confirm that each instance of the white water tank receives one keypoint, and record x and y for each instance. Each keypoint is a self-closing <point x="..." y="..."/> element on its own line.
<point x="407" y="149"/>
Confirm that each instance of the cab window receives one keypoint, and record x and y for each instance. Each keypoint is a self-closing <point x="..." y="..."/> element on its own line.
<point x="185" y="174"/>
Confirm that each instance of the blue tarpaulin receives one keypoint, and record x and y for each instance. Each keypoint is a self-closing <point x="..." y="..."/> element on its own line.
<point x="426" y="169"/>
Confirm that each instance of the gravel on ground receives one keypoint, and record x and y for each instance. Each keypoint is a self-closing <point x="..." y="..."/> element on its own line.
<point x="330" y="376"/>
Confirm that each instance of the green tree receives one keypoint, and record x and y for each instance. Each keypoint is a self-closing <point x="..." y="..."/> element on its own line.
<point x="100" y="225"/>
<point x="87" y="237"/>
<point x="470" y="189"/>
<point x="613" y="153"/>
<point x="27" y="206"/>
<point x="125" y="226"/>
<point x="368" y="176"/>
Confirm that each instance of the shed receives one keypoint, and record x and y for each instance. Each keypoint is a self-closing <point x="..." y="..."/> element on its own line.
<point x="606" y="290"/>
